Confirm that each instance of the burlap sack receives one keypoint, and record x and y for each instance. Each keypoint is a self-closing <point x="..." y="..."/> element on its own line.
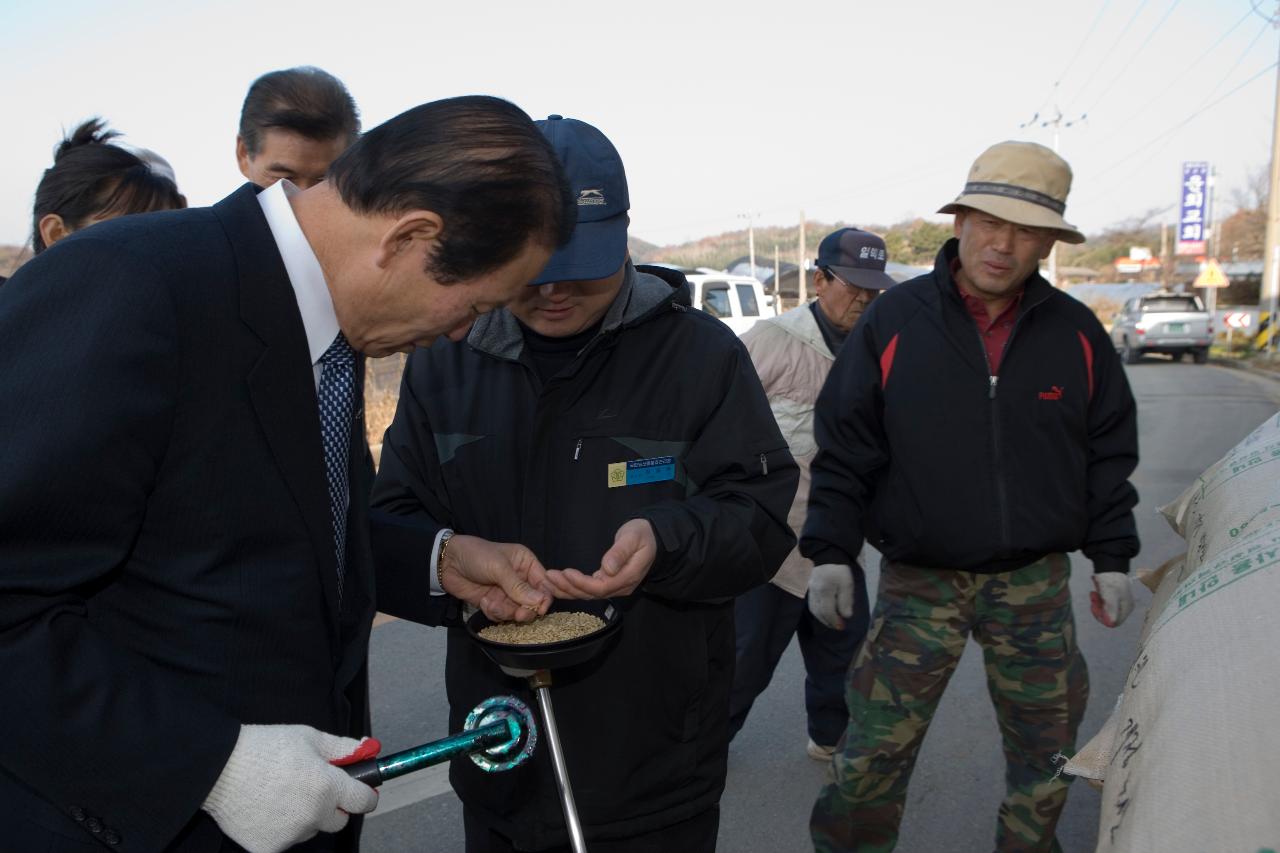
<point x="1234" y="495"/>
<point x="1190" y="757"/>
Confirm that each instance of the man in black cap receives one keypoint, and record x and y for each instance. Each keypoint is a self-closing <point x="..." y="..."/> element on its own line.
<point x="622" y="437"/>
<point x="793" y="354"/>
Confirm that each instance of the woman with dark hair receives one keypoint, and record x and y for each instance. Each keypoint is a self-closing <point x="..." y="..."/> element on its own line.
<point x="92" y="180"/>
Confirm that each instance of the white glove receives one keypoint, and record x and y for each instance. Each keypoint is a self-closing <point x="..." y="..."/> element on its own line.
<point x="831" y="594"/>
<point x="1112" y="598"/>
<point x="278" y="788"/>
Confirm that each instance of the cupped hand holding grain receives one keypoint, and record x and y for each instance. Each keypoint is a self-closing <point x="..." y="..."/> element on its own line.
<point x="622" y="568"/>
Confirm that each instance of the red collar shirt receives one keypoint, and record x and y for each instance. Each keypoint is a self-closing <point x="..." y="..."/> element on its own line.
<point x="994" y="333"/>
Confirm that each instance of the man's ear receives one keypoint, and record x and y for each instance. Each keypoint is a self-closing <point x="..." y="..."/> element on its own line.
<point x="242" y="156"/>
<point x="416" y="226"/>
<point x="52" y="229"/>
<point x="959" y="220"/>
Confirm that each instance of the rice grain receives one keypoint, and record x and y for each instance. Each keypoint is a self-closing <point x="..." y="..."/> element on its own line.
<point x="551" y="628"/>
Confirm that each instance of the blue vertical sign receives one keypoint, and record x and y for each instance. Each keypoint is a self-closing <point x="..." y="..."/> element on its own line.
<point x="1193" y="223"/>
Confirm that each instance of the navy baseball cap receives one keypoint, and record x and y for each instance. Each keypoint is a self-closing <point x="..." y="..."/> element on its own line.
<point x="598" y="247"/>
<point x="856" y="256"/>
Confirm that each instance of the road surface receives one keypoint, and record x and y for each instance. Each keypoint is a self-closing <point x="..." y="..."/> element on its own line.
<point x="1189" y="415"/>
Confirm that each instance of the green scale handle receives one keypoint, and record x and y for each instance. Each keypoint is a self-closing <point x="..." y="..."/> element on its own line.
<point x="500" y="733"/>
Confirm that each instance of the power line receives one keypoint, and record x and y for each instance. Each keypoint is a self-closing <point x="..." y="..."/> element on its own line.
<point x="1183" y="123"/>
<point x="1083" y="42"/>
<point x="1113" y="47"/>
<point x="1239" y="60"/>
<point x="1053" y="90"/>
<point x="1133" y="56"/>
<point x="1149" y="102"/>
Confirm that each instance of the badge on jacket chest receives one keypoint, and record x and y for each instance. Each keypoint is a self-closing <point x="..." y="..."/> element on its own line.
<point x="640" y="471"/>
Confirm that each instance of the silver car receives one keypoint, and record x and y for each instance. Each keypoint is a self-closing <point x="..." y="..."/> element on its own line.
<point x="1172" y="323"/>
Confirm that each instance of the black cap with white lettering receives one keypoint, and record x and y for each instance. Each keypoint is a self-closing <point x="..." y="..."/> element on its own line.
<point x="856" y="256"/>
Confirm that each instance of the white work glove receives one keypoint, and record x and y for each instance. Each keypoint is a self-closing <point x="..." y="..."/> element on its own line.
<point x="1112" y="598"/>
<point x="831" y="594"/>
<point x="278" y="788"/>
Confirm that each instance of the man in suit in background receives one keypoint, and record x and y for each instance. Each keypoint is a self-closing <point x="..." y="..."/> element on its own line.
<point x="293" y="124"/>
<point x="185" y="584"/>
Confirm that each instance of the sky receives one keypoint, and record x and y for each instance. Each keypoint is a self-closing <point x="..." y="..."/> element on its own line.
<point x="724" y="112"/>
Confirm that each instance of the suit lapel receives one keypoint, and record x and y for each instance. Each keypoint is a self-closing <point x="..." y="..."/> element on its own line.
<point x="281" y="383"/>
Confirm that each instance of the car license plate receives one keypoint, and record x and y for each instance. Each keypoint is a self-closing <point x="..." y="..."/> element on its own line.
<point x="1175" y="328"/>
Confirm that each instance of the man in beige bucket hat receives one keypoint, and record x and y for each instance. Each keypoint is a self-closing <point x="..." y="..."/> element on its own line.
<point x="976" y="426"/>
<point x="1023" y="183"/>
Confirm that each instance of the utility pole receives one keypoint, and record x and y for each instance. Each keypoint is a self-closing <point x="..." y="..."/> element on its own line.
<point x="802" y="281"/>
<point x="751" y="239"/>
<point x="1166" y="261"/>
<point x="777" y="297"/>
<point x="1271" y="273"/>
<point x="1210" y="246"/>
<point x="1057" y="123"/>
<point x="1053" y="252"/>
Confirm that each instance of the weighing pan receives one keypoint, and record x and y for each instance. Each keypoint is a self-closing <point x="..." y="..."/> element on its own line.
<point x="552" y="655"/>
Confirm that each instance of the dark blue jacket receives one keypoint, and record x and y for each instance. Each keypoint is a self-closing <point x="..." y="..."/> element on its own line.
<point x="481" y="445"/>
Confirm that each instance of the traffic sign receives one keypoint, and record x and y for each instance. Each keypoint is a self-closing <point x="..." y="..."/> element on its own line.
<point x="1211" y="275"/>
<point x="1239" y="319"/>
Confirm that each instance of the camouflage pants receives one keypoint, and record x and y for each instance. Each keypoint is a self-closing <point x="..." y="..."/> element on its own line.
<point x="1035" y="674"/>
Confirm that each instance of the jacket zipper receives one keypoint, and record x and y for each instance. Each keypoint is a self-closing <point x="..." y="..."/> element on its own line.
<point x="993" y="380"/>
<point x="764" y="465"/>
<point x="1002" y="495"/>
<point x="577" y="450"/>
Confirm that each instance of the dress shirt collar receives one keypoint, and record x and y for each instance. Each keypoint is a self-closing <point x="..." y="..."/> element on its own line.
<point x="314" y="302"/>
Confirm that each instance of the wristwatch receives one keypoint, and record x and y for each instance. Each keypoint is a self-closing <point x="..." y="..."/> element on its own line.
<point x="445" y="536"/>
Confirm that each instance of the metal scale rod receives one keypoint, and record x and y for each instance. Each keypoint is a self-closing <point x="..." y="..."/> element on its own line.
<point x="540" y="681"/>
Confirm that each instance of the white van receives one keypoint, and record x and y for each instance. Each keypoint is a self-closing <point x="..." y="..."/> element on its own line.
<point x="738" y="300"/>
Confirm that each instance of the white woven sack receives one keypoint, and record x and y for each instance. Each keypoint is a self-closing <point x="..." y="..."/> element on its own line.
<point x="1234" y="495"/>
<point x="1195" y="761"/>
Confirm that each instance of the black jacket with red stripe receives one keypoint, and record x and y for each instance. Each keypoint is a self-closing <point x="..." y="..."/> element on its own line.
<point x="936" y="463"/>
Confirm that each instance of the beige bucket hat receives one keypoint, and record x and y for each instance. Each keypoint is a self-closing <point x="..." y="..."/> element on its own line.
<point x="1020" y="182"/>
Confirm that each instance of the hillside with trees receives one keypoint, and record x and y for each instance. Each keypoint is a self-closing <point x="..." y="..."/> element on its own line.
<point x="914" y="242"/>
<point x="1242" y="235"/>
<point x="12" y="257"/>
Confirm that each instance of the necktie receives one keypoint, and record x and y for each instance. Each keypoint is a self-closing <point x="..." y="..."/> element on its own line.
<point x="337" y="400"/>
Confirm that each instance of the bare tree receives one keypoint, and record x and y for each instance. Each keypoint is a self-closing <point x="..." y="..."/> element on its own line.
<point x="1256" y="190"/>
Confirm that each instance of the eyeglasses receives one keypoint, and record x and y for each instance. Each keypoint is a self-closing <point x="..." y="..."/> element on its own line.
<point x="867" y="293"/>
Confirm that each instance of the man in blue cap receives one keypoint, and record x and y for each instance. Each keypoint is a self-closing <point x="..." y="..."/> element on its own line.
<point x="600" y="427"/>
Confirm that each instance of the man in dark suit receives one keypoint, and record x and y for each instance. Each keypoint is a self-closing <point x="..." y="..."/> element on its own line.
<point x="185" y="583"/>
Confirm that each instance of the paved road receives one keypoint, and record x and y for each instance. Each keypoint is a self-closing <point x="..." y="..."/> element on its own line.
<point x="1189" y="416"/>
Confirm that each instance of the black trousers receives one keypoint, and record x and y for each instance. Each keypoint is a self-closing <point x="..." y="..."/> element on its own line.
<point x="694" y="835"/>
<point x="765" y="619"/>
